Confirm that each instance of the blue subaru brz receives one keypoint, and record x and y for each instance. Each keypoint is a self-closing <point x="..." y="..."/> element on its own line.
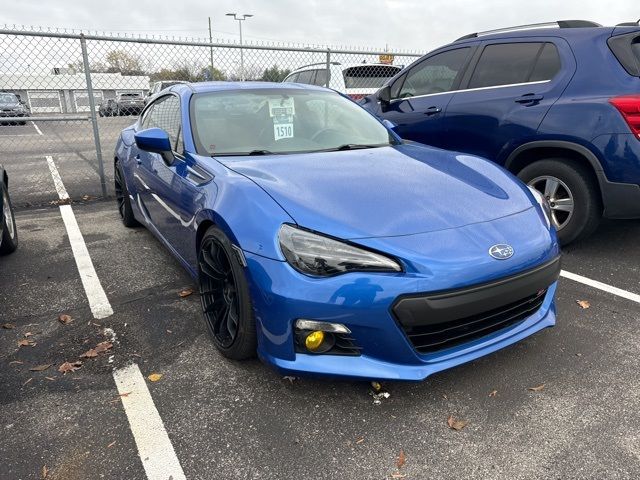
<point x="324" y="243"/>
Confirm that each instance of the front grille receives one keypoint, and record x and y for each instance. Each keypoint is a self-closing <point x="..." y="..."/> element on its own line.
<point x="443" y="319"/>
<point x="434" y="337"/>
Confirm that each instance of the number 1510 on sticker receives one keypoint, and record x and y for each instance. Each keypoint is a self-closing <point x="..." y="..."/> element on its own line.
<point x="283" y="130"/>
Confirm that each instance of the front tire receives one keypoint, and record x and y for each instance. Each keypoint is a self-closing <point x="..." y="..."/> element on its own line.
<point x="123" y="199"/>
<point x="576" y="206"/>
<point x="224" y="295"/>
<point x="9" y="232"/>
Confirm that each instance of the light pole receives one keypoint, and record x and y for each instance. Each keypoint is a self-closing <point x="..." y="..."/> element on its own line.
<point x="240" y="18"/>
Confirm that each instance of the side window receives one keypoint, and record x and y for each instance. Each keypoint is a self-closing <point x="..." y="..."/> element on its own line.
<point x="548" y="64"/>
<point x="165" y="114"/>
<point x="321" y="77"/>
<point x="306" y="77"/>
<point x="292" y="78"/>
<point x="511" y="63"/>
<point x="434" y="75"/>
<point x="144" y="122"/>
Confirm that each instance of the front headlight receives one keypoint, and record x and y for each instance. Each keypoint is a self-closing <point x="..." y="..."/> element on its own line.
<point x="317" y="255"/>
<point x="544" y="204"/>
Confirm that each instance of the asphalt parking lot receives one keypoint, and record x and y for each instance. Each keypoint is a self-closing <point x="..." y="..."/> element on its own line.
<point x="242" y="420"/>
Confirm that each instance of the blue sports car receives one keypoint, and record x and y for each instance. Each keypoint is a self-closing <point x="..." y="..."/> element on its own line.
<point x="324" y="243"/>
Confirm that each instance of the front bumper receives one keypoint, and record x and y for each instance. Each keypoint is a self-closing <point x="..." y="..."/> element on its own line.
<point x="365" y="304"/>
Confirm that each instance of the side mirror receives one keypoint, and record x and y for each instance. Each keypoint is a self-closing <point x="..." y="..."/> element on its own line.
<point x="384" y="94"/>
<point x="155" y="140"/>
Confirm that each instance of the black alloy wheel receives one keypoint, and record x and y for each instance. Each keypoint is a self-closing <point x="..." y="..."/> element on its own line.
<point x="122" y="198"/>
<point x="224" y="296"/>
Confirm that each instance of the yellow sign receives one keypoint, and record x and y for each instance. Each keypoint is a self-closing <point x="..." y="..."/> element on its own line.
<point x="386" y="58"/>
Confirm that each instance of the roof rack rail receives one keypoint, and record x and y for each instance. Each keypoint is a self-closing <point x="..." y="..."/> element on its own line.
<point x="319" y="63"/>
<point x="556" y="24"/>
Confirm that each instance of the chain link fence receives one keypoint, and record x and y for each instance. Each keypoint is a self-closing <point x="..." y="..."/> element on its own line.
<point x="65" y="97"/>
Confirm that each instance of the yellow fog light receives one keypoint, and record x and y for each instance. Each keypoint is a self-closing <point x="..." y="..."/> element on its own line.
<point x="314" y="340"/>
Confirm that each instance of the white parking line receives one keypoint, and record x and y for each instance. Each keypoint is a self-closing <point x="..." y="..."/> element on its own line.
<point x="634" y="297"/>
<point x="57" y="181"/>
<point x="37" y="128"/>
<point x="98" y="301"/>
<point x="154" y="447"/>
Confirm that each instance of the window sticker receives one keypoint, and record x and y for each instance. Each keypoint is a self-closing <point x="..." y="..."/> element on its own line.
<point x="283" y="130"/>
<point x="279" y="107"/>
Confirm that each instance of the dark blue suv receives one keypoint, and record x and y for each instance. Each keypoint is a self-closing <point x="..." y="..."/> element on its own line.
<point x="556" y="104"/>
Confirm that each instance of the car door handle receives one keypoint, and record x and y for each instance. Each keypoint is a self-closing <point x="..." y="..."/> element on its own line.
<point x="138" y="159"/>
<point x="432" y="110"/>
<point x="529" y="98"/>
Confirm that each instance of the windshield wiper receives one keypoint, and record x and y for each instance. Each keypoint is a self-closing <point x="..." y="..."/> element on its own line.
<point x="356" y="146"/>
<point x="260" y="152"/>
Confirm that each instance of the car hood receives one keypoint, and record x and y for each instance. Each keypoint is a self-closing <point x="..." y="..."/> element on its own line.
<point x="386" y="191"/>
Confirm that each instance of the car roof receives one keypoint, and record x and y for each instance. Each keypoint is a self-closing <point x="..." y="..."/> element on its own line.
<point x="203" y="87"/>
<point x="568" y="33"/>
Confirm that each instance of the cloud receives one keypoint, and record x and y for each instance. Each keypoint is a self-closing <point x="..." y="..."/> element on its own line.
<point x="402" y="24"/>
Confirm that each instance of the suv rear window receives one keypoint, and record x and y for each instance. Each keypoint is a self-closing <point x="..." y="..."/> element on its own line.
<point x="368" y="76"/>
<point x="626" y="49"/>
<point x="512" y="63"/>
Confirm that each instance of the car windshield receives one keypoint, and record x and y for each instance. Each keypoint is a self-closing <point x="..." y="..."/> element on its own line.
<point x="265" y="121"/>
<point x="8" y="98"/>
<point x="130" y="95"/>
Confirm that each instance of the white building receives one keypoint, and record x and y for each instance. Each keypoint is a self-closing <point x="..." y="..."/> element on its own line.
<point x="67" y="93"/>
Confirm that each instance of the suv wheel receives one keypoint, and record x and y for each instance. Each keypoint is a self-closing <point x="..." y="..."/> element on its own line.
<point x="572" y="194"/>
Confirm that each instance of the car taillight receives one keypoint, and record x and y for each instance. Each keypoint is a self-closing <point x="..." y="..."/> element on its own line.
<point x="629" y="107"/>
<point x="356" y="96"/>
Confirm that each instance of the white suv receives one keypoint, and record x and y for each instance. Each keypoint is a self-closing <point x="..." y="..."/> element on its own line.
<point x="356" y="80"/>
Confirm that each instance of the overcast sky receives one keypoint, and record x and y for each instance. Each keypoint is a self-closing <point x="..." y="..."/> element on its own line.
<point x="402" y="24"/>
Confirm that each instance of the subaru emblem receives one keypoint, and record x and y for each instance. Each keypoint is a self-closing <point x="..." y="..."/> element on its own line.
<point x="501" y="251"/>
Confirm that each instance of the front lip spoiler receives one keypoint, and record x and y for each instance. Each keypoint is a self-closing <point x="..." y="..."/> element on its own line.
<point x="449" y="305"/>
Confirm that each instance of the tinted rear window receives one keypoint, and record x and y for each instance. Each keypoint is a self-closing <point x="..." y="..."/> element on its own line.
<point x="512" y="63"/>
<point x="368" y="76"/>
<point x="626" y="49"/>
<point x="548" y="64"/>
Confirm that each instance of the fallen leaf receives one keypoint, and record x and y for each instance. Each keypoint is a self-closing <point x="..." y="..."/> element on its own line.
<point x="8" y="326"/>
<point x="45" y="471"/>
<point x="398" y="475"/>
<point x="40" y="368"/>
<point x="169" y="331"/>
<point x="185" y="292"/>
<point x="154" y="377"/>
<point x="103" y="346"/>
<point x="16" y="362"/>
<point x="456" y="424"/>
<point x="360" y="440"/>
<point x="28" y="334"/>
<point x="376" y="386"/>
<point x="402" y="459"/>
<point x="126" y="394"/>
<point x="26" y="343"/>
<point x="112" y="444"/>
<point x="539" y="388"/>
<point x="584" y="304"/>
<point x="69" y="367"/>
<point x="50" y="379"/>
<point x="27" y="381"/>
<point x="493" y="393"/>
<point x="99" y="348"/>
<point x="65" y="319"/>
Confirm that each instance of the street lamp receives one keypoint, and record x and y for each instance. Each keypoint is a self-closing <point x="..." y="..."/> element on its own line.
<point x="240" y="18"/>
